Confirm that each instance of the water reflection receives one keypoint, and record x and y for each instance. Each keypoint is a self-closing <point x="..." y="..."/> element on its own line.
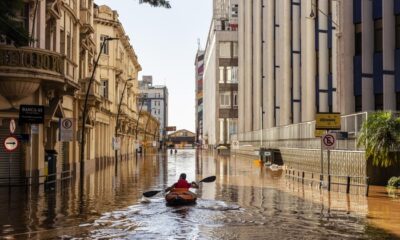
<point x="248" y="201"/>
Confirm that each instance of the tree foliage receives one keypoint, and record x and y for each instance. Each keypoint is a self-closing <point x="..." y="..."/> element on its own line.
<point x="157" y="3"/>
<point x="380" y="135"/>
<point x="10" y="26"/>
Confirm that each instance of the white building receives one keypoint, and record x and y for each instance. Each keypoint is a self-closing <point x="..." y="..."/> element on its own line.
<point x="220" y="80"/>
<point x="155" y="99"/>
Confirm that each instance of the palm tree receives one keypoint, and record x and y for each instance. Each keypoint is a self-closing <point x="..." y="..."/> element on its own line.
<point x="380" y="135"/>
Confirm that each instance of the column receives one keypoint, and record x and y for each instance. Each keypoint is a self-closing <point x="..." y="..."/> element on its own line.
<point x="367" y="85"/>
<point x="344" y="57"/>
<point x="388" y="24"/>
<point x="257" y="74"/>
<point x="286" y="49"/>
<point x="296" y="51"/>
<point x="241" y="103"/>
<point x="248" y="52"/>
<point x="269" y="63"/>
<point x="323" y="60"/>
<point x="307" y="61"/>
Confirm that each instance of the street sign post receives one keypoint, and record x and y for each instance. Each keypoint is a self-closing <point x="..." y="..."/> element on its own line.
<point x="12" y="126"/>
<point x="327" y="121"/>
<point x="11" y="143"/>
<point x="329" y="141"/>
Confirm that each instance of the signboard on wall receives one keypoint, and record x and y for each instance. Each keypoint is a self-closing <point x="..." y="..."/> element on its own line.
<point x="66" y="129"/>
<point x="170" y="129"/>
<point x="116" y="143"/>
<point x="33" y="114"/>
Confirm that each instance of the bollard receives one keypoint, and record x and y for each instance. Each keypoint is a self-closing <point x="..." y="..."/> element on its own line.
<point x="367" y="190"/>
<point x="348" y="185"/>
<point x="302" y="177"/>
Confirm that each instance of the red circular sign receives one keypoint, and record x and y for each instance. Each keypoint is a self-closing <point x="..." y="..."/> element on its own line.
<point x="11" y="143"/>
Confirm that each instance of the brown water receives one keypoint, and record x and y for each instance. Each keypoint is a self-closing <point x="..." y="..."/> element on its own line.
<point x="247" y="201"/>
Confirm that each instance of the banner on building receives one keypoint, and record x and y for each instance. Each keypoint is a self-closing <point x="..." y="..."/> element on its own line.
<point x="66" y="129"/>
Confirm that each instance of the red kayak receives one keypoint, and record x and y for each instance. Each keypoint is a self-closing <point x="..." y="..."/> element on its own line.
<point x="180" y="196"/>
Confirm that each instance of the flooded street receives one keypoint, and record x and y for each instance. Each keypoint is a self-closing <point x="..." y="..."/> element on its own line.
<point x="247" y="201"/>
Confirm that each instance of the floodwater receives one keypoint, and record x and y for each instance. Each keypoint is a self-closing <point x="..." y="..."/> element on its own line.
<point x="247" y="201"/>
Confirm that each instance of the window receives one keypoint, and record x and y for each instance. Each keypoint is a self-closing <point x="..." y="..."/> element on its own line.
<point x="235" y="99"/>
<point x="104" y="89"/>
<point x="221" y="75"/>
<point x="225" y="100"/>
<point x="228" y="74"/>
<point x="398" y="31"/>
<point x="234" y="78"/>
<point x="235" y="50"/>
<point x="378" y="36"/>
<point x="62" y="41"/>
<point x="225" y="49"/>
<point x="69" y="46"/>
<point x="105" y="47"/>
<point x="358" y="39"/>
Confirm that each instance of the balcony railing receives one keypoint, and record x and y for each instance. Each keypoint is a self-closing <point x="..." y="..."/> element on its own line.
<point x="31" y="58"/>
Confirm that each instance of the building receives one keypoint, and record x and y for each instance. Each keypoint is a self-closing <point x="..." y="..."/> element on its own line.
<point x="300" y="58"/>
<point x="181" y="139"/>
<point x="148" y="132"/>
<point x="115" y="89"/>
<point x="199" y="71"/>
<point x="50" y="77"/>
<point x="154" y="99"/>
<point x="220" y="78"/>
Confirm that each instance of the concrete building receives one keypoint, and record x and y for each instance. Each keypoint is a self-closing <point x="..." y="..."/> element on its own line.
<point x="199" y="71"/>
<point x="297" y="58"/>
<point x="154" y="99"/>
<point x="51" y="77"/>
<point x="112" y="90"/>
<point x="220" y="78"/>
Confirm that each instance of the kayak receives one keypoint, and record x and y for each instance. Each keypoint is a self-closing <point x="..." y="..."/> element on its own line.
<point x="180" y="196"/>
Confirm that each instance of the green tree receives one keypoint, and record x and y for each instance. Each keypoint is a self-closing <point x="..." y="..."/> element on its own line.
<point x="380" y="135"/>
<point x="157" y="3"/>
<point x="9" y="24"/>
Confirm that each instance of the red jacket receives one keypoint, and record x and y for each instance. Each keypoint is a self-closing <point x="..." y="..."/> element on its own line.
<point x="182" y="183"/>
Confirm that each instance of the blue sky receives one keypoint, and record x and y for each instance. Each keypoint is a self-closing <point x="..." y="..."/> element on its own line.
<point x="165" y="41"/>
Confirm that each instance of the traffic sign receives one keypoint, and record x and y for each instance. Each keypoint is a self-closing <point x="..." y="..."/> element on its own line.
<point x="327" y="121"/>
<point x="235" y="144"/>
<point x="329" y="141"/>
<point x="12" y="126"/>
<point x="66" y="129"/>
<point x="11" y="143"/>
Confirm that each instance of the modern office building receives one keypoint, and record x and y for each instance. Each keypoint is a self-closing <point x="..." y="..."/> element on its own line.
<point x="297" y="58"/>
<point x="154" y="99"/>
<point x="199" y="71"/>
<point x="220" y="77"/>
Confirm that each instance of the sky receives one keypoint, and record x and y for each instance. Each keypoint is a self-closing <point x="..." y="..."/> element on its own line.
<point x="165" y="41"/>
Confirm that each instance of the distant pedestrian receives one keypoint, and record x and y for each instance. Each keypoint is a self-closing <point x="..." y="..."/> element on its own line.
<point x="176" y="150"/>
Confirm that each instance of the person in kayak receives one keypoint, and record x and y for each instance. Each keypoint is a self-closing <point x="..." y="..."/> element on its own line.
<point x="182" y="183"/>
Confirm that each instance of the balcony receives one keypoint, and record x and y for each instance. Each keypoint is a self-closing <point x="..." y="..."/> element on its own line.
<point x="23" y="70"/>
<point x="94" y="97"/>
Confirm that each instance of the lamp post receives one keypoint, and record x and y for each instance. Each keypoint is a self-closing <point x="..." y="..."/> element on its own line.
<point x="117" y="118"/>
<point x="82" y="152"/>
<point x="140" y="110"/>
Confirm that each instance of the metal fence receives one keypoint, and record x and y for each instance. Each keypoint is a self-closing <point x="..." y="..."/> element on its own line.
<point x="302" y="135"/>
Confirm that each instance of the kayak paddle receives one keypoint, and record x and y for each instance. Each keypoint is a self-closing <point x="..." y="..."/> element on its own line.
<point x="152" y="193"/>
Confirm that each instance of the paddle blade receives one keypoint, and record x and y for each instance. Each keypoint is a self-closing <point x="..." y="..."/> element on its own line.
<point x="209" y="179"/>
<point x="150" y="193"/>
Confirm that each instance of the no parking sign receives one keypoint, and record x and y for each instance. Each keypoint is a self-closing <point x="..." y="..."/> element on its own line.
<point x="329" y="141"/>
<point x="66" y="129"/>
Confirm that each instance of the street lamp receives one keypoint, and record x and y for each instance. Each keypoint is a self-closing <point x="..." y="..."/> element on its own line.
<point x="84" y="113"/>
<point x="140" y="110"/>
<point x="118" y="113"/>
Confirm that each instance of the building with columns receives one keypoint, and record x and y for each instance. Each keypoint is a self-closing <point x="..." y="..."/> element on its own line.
<point x="199" y="70"/>
<point x="297" y="58"/>
<point x="220" y="76"/>
<point x="52" y="75"/>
